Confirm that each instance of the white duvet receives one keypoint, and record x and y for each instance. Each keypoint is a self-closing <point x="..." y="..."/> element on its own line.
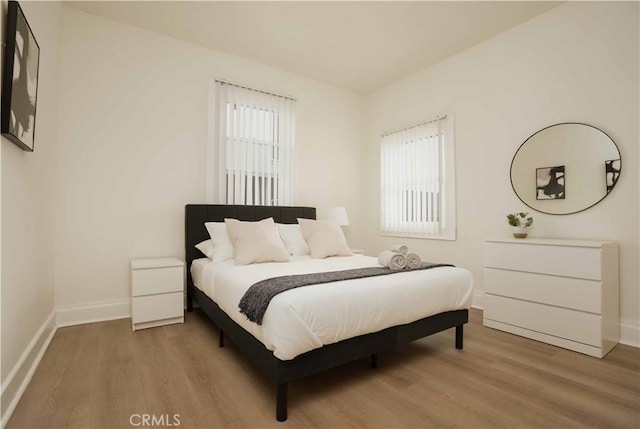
<point x="309" y="317"/>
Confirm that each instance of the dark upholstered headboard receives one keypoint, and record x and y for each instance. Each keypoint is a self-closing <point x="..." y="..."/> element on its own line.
<point x="197" y="214"/>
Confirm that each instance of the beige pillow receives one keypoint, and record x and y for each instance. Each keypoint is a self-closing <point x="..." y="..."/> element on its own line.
<point x="256" y="241"/>
<point x="324" y="238"/>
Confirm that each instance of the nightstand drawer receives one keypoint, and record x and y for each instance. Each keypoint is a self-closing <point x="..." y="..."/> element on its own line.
<point x="157" y="307"/>
<point x="566" y="292"/>
<point x="153" y="281"/>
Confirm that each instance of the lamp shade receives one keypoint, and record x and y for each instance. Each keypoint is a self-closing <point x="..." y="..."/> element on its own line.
<point x="338" y="215"/>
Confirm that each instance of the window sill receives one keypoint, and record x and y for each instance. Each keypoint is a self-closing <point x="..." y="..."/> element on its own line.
<point x="447" y="237"/>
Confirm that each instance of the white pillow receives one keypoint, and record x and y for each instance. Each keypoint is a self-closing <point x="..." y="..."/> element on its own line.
<point x="324" y="238"/>
<point x="256" y="241"/>
<point x="222" y="247"/>
<point x="292" y="236"/>
<point x="206" y="247"/>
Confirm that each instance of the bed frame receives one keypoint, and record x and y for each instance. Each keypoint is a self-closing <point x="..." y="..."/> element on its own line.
<point x="329" y="356"/>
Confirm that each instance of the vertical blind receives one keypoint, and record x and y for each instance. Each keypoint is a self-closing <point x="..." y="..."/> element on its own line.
<point x="412" y="180"/>
<point x="254" y="144"/>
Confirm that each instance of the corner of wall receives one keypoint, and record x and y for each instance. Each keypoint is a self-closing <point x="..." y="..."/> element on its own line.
<point x="91" y="312"/>
<point x="629" y="335"/>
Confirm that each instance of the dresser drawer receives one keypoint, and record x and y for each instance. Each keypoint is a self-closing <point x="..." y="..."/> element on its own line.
<point x="157" y="280"/>
<point x="579" y="262"/>
<point x="560" y="322"/>
<point x="566" y="292"/>
<point x="157" y="307"/>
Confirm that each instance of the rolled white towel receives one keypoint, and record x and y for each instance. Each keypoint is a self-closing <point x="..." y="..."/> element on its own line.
<point x="400" y="248"/>
<point x="413" y="261"/>
<point x="393" y="260"/>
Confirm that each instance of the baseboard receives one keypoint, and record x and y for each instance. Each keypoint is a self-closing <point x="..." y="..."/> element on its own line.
<point x="630" y="335"/>
<point x="91" y="312"/>
<point x="21" y="374"/>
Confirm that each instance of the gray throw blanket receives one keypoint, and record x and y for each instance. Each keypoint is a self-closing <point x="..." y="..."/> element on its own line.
<point x="256" y="299"/>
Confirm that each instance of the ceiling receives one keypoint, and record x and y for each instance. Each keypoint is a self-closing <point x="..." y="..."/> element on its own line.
<point x="358" y="45"/>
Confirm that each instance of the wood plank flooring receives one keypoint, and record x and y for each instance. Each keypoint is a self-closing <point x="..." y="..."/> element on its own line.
<point x="99" y="375"/>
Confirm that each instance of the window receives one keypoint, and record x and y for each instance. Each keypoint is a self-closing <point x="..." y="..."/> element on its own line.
<point x="250" y="158"/>
<point x="417" y="181"/>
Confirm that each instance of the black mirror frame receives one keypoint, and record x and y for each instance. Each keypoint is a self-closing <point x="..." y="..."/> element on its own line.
<point x="539" y="131"/>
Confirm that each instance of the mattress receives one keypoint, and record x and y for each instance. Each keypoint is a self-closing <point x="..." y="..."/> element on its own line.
<point x="203" y="272"/>
<point x="307" y="318"/>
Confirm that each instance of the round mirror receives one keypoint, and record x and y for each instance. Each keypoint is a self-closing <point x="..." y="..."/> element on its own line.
<point x="565" y="168"/>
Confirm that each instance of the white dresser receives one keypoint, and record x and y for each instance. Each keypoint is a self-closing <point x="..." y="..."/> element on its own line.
<point x="157" y="292"/>
<point x="561" y="292"/>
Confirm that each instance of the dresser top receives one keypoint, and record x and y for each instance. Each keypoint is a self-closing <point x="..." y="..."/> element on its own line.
<point x="553" y="242"/>
<point x="142" y="264"/>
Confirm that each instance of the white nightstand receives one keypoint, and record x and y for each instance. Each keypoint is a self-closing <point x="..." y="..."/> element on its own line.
<point x="157" y="292"/>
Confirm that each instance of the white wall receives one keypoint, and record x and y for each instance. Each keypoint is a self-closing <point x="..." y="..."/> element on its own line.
<point x="28" y="188"/>
<point x="132" y="140"/>
<point x="577" y="62"/>
<point x="132" y="133"/>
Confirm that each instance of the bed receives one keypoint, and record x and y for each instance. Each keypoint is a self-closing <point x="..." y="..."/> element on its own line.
<point x="281" y="364"/>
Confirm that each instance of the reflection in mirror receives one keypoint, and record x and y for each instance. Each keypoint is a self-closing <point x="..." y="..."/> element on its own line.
<point x="565" y="168"/>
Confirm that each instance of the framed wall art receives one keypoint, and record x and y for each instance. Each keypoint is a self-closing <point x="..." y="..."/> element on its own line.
<point x="19" y="80"/>
<point x="550" y="183"/>
<point x="612" y="172"/>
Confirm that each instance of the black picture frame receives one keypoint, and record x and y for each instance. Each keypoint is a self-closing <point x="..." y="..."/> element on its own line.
<point x="550" y="183"/>
<point x="19" y="80"/>
<point x="612" y="173"/>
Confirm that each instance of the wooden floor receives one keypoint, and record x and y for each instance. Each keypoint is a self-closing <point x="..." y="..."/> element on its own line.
<point x="100" y="375"/>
